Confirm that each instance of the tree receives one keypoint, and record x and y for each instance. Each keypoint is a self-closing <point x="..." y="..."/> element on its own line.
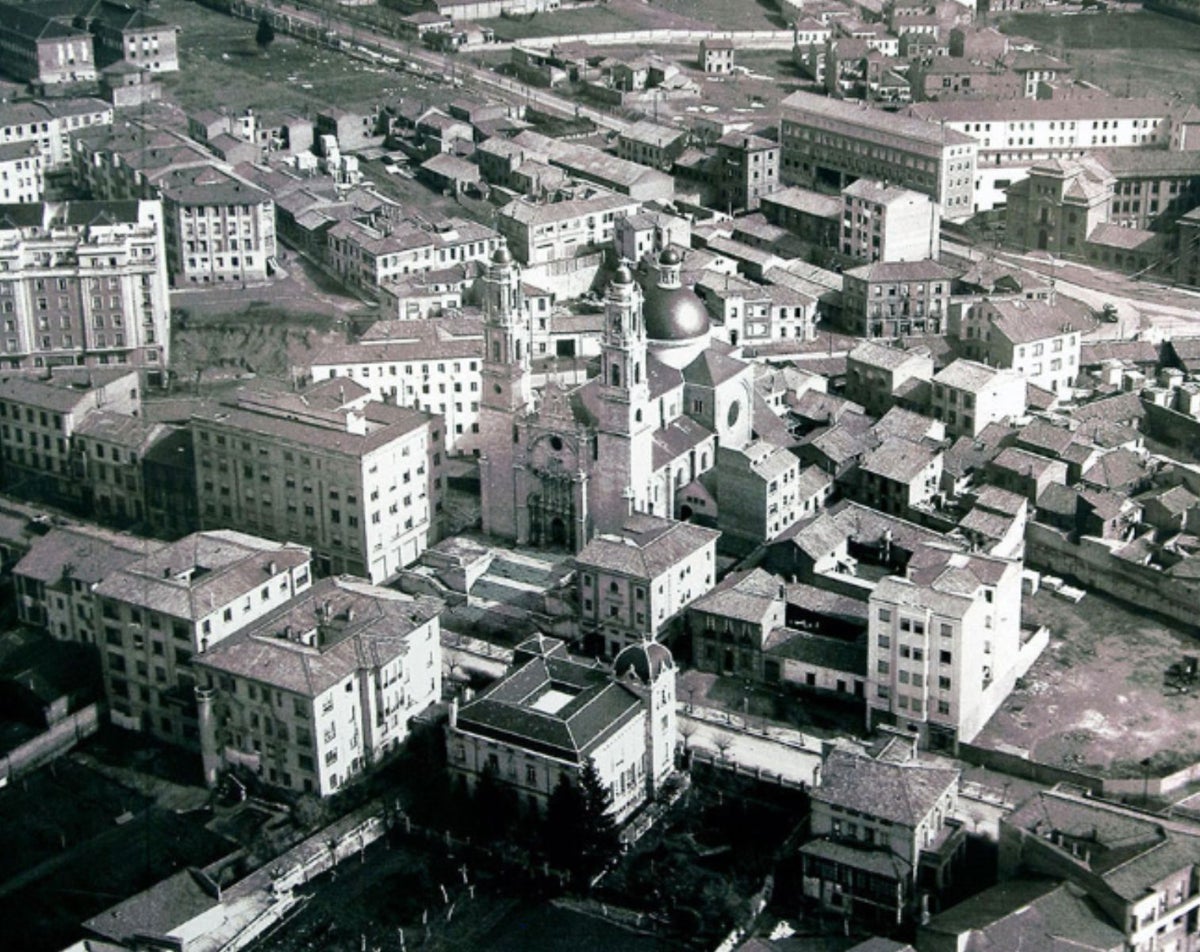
<point x="600" y="833"/>
<point x="265" y="34"/>
<point x="581" y="834"/>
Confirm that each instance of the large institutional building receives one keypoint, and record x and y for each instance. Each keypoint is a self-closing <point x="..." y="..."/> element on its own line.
<point x="563" y="465"/>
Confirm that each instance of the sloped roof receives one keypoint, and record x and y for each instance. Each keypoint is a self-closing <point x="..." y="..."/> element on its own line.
<point x="902" y="793"/>
<point x="647" y="547"/>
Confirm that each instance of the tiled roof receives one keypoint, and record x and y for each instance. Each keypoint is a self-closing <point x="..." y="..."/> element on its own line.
<point x="885" y="271"/>
<point x="748" y="596"/>
<point x="201" y="572"/>
<point x="1023" y="462"/>
<point x="902" y="793"/>
<point x="878" y="861"/>
<point x="1115" y="470"/>
<point x="874" y="354"/>
<point x="160" y="910"/>
<point x="801" y="104"/>
<point x="806" y="201"/>
<point x="647" y="547"/>
<point x="1024" y="110"/>
<point x="823" y="651"/>
<point x="899" y="460"/>
<point x="506" y="711"/>
<point x="1022" y="321"/>
<point x="85" y="553"/>
<point x="995" y="499"/>
<point x="1117" y="409"/>
<point x="968" y="375"/>
<point x="904" y="424"/>
<point x="66" y="391"/>
<point x="354" y="625"/>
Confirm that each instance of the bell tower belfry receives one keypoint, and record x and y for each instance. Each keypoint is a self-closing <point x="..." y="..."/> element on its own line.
<point x="625" y="429"/>
<point x="507" y="391"/>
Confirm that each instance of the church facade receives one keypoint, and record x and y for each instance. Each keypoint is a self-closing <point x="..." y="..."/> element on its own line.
<point x="561" y="465"/>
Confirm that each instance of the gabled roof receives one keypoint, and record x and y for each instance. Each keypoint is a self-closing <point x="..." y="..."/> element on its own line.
<point x="748" y="596"/>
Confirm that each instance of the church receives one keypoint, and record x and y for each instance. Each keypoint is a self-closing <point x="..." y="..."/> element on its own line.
<point x="564" y="464"/>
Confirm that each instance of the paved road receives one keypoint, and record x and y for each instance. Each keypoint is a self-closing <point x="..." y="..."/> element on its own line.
<point x="1142" y="306"/>
<point x="752" y="749"/>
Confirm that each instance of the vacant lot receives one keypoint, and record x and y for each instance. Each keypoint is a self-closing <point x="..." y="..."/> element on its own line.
<point x="615" y="16"/>
<point x="221" y="67"/>
<point x="1139" y="54"/>
<point x="1095" y="700"/>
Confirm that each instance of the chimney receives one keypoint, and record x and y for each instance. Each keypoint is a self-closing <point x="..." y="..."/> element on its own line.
<point x="350" y="613"/>
<point x="271" y="567"/>
<point x="326" y="610"/>
<point x="454" y="712"/>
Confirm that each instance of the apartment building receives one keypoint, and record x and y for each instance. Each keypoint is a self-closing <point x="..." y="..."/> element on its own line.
<point x="313" y="694"/>
<point x="896" y="299"/>
<point x="760" y="494"/>
<point x="749" y="313"/>
<point x="355" y="479"/>
<point x="83" y="284"/>
<point x="746" y="168"/>
<point x="22" y="176"/>
<point x="161" y="611"/>
<point x="877" y="374"/>
<point x="219" y="227"/>
<point x="881" y="222"/>
<point x="372" y="256"/>
<point x="55" y="579"/>
<point x="1012" y="135"/>
<point x="716" y="55"/>
<point x="110" y="453"/>
<point x="41" y="50"/>
<point x="632" y="586"/>
<point x="968" y="396"/>
<point x="129" y="34"/>
<point x="39" y="417"/>
<point x="1132" y="874"/>
<point x="1152" y="188"/>
<point x="809" y="215"/>
<point x="1037" y="339"/>
<point x="540" y="233"/>
<point x="433" y="366"/>
<point x="834" y="142"/>
<point x="49" y="124"/>
<point x="944" y="645"/>
<point x="651" y="144"/>
<point x="550" y="715"/>
<point x="898" y="475"/>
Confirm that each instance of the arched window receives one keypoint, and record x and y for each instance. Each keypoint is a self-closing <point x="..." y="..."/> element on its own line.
<point x="637" y="416"/>
<point x="615" y="375"/>
<point x="637" y="373"/>
<point x="496" y="350"/>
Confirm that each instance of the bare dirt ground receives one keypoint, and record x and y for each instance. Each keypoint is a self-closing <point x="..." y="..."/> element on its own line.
<point x="1095" y="701"/>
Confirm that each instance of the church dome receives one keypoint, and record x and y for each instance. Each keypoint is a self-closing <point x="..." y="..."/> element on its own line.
<point x="673" y="314"/>
<point x="647" y="660"/>
<point x="669" y="256"/>
<point x="623" y="275"/>
<point x="502" y="256"/>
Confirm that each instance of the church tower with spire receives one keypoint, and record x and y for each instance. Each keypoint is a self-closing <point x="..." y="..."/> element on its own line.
<point x="625" y="429"/>
<point x="507" y="391"/>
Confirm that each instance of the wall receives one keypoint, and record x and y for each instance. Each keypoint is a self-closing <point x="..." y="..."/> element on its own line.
<point x="1095" y="566"/>
<point x="48" y="745"/>
<point x="744" y="39"/>
<point x="1017" y="764"/>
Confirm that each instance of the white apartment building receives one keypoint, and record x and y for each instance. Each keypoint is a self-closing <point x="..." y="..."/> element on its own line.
<point x="430" y="365"/>
<point x="83" y="284"/>
<point x="326" y="685"/>
<point x="748" y="313"/>
<point x="48" y="125"/>
<point x="161" y="611"/>
<point x="22" y="177"/>
<point x="540" y="233"/>
<point x="368" y="257"/>
<point x="967" y="396"/>
<point x="353" y="478"/>
<point x="944" y="644"/>
<point x="1036" y="339"/>
<point x="882" y="222"/>
<point x="632" y="585"/>
<point x="1014" y="134"/>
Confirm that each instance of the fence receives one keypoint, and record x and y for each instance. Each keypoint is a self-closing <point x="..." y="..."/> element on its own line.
<point x="716" y="762"/>
<point x="50" y="744"/>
